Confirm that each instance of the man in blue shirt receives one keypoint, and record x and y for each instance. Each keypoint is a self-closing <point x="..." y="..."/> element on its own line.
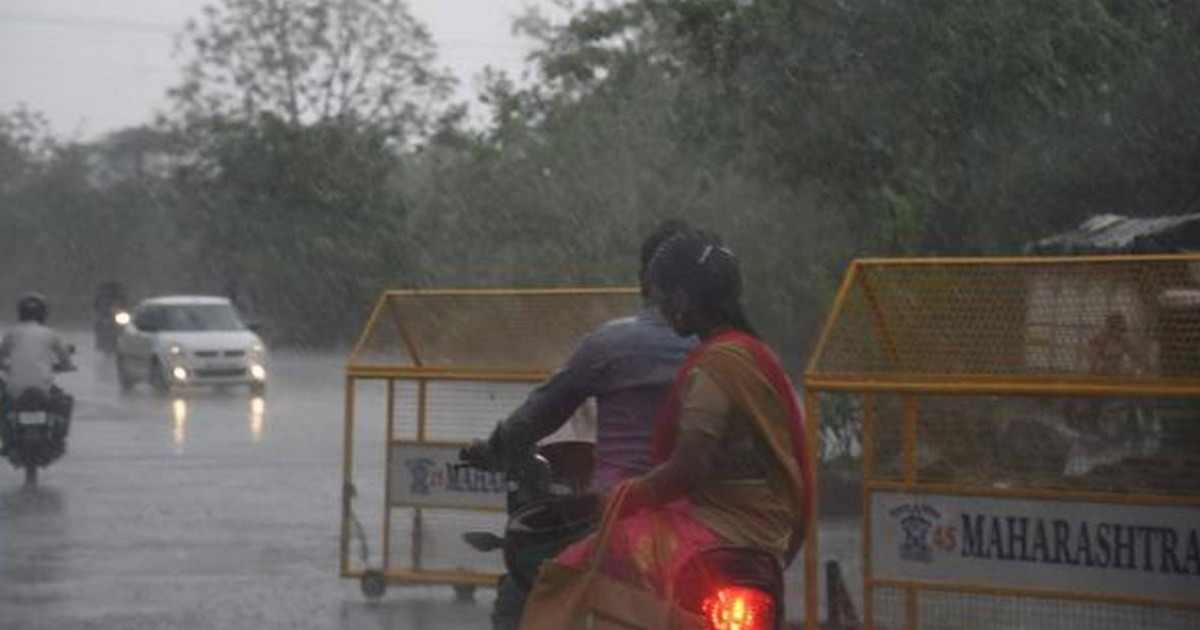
<point x="627" y="365"/>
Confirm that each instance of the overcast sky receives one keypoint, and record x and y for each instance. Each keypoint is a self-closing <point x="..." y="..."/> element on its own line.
<point x="93" y="66"/>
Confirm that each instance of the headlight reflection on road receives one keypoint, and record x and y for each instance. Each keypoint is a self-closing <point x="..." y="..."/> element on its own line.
<point x="258" y="412"/>
<point x="179" y="413"/>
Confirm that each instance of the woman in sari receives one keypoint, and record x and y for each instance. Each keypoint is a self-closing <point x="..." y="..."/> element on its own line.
<point x="729" y="445"/>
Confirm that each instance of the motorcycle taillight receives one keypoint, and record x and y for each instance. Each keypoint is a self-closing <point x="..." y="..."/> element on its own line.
<point x="739" y="608"/>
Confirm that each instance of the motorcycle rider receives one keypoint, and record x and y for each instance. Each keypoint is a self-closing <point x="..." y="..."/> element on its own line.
<point x="627" y="366"/>
<point x="733" y="468"/>
<point x="30" y="354"/>
<point x="110" y="298"/>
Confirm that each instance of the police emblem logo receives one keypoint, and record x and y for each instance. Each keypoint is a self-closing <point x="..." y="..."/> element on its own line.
<point x="916" y="520"/>
<point x="419" y="468"/>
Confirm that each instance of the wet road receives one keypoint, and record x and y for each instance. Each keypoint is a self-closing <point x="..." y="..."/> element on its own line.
<point x="210" y="511"/>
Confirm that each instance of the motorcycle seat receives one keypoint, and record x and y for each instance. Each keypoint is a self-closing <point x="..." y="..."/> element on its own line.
<point x="32" y="400"/>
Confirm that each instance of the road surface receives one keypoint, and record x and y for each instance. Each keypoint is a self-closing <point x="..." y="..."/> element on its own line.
<point x="217" y="510"/>
<point x="209" y="511"/>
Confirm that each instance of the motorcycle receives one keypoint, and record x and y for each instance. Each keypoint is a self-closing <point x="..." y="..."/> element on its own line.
<point x="549" y="508"/>
<point x="36" y="425"/>
<point x="108" y="327"/>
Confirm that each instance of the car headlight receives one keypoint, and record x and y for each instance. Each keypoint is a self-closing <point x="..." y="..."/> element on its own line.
<point x="122" y="318"/>
<point x="176" y="350"/>
<point x="258" y="372"/>
<point x="179" y="373"/>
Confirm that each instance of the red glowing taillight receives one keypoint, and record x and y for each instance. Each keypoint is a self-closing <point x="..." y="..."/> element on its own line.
<point x="738" y="608"/>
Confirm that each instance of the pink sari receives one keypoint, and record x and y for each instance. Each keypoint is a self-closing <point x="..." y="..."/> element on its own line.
<point x="649" y="547"/>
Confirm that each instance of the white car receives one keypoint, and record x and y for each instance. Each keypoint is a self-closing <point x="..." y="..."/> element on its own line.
<point x="184" y="341"/>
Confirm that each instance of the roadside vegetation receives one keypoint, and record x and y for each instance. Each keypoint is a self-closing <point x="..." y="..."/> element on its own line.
<point x="313" y="155"/>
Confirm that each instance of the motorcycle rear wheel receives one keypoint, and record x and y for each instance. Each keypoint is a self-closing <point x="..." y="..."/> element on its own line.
<point x="158" y="379"/>
<point x="124" y="378"/>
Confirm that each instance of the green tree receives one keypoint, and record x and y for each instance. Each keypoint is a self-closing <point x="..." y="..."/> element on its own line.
<point x="25" y="145"/>
<point x="311" y="61"/>
<point x="297" y="114"/>
<point x="306" y="219"/>
<point x="809" y="132"/>
<point x="66" y="227"/>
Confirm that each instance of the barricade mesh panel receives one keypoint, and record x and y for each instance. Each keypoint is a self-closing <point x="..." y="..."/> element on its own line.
<point x="1021" y="384"/>
<point x="439" y="546"/>
<point x="1133" y="445"/>
<point x="527" y="329"/>
<point x="405" y="409"/>
<point x="455" y="362"/>
<point x="455" y="411"/>
<point x="369" y="457"/>
<point x="382" y="342"/>
<point x="1092" y="317"/>
<point x="959" y="611"/>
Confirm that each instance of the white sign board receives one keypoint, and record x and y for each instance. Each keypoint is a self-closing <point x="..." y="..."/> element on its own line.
<point x="1134" y="550"/>
<point x="430" y="475"/>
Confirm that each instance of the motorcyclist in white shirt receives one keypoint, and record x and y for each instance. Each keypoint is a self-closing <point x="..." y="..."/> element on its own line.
<point x="30" y="355"/>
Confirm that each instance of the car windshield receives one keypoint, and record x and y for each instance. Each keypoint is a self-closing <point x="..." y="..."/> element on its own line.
<point x="201" y="317"/>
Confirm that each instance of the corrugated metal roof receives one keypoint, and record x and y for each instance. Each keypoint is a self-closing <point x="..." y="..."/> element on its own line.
<point x="1112" y="234"/>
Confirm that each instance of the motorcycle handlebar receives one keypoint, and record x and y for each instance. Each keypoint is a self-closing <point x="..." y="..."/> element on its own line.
<point x="480" y="457"/>
<point x="477" y="455"/>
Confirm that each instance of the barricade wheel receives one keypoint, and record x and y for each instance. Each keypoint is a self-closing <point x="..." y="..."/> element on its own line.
<point x="464" y="593"/>
<point x="374" y="584"/>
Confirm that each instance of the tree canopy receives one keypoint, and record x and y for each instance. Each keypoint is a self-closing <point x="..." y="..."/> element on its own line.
<point x="309" y="62"/>
<point x="314" y="152"/>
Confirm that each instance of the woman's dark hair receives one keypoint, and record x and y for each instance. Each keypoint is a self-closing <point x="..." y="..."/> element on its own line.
<point x="699" y="264"/>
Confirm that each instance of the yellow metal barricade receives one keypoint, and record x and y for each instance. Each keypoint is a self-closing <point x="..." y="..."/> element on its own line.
<point x="437" y="368"/>
<point x="1029" y="437"/>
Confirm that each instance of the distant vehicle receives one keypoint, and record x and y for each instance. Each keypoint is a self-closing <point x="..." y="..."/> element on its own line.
<point x="185" y="341"/>
<point x="107" y="326"/>
<point x="111" y="313"/>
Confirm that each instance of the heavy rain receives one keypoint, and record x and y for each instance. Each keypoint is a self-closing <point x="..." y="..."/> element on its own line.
<point x="269" y="265"/>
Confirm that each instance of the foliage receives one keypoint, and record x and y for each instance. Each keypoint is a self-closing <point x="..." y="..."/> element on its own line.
<point x="809" y="132"/>
<point x="313" y="154"/>
<point x="64" y="231"/>
<point x="296" y="113"/>
<point x="310" y="61"/>
<point x="303" y="221"/>
<point x="25" y="144"/>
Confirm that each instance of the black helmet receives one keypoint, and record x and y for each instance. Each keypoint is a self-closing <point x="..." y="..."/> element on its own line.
<point x="32" y="306"/>
<point x="111" y="287"/>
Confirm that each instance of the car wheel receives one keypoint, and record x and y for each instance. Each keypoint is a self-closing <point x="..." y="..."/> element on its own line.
<point x="158" y="378"/>
<point x="126" y="379"/>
